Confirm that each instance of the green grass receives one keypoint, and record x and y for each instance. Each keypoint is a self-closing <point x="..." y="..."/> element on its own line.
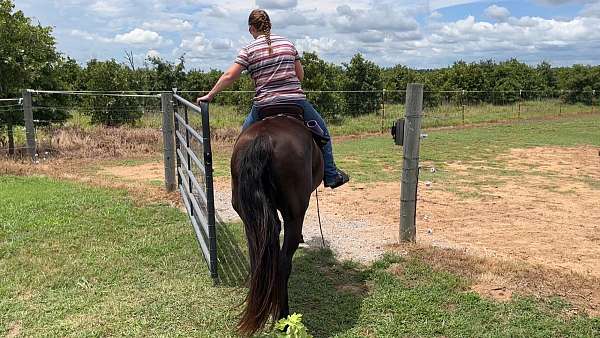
<point x="81" y="261"/>
<point x="376" y="158"/>
<point x="85" y="262"/>
<point x="226" y="116"/>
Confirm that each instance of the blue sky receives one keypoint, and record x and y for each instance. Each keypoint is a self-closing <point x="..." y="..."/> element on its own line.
<point x="417" y="33"/>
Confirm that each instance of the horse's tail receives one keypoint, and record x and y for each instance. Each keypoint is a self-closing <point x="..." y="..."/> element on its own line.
<point x="262" y="225"/>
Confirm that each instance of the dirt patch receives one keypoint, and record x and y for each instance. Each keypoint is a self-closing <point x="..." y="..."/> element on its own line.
<point x="143" y="172"/>
<point x="14" y="330"/>
<point x="563" y="162"/>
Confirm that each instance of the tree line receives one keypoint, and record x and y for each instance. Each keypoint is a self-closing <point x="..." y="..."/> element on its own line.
<point x="29" y="59"/>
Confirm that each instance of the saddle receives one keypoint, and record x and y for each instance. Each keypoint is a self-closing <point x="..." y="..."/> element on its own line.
<point x="296" y="112"/>
<point x="290" y="110"/>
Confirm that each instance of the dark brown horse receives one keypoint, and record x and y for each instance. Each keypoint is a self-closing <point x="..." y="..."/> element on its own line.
<point x="275" y="165"/>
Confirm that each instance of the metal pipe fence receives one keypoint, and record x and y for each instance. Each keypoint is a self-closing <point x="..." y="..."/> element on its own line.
<point x="192" y="161"/>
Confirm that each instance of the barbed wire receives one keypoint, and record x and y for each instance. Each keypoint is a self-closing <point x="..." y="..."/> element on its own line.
<point x="99" y="108"/>
<point x="90" y="93"/>
<point x="142" y="92"/>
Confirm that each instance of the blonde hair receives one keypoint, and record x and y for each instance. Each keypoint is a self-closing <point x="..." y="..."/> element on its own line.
<point x="259" y="19"/>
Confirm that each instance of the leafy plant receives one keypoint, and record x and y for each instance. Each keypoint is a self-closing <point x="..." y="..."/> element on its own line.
<point x="290" y="327"/>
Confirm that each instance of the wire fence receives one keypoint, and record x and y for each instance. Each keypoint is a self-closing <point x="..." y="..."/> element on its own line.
<point x="347" y="112"/>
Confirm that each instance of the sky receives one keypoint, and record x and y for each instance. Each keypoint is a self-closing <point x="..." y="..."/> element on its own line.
<point x="416" y="33"/>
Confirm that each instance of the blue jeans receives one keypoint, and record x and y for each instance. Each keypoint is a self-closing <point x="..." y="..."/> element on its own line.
<point x="310" y="113"/>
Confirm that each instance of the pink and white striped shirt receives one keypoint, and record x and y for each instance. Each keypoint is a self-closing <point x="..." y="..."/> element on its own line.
<point x="274" y="75"/>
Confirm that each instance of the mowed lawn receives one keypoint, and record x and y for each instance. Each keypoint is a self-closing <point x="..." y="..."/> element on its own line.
<point x="88" y="262"/>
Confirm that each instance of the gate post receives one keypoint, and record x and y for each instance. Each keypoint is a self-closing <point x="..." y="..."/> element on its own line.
<point x="169" y="141"/>
<point x="29" y="127"/>
<point x="410" y="163"/>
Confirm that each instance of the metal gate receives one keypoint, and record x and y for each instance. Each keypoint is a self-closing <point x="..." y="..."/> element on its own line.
<point x="195" y="172"/>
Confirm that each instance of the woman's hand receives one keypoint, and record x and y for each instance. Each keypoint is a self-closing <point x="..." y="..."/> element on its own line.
<point x="206" y="98"/>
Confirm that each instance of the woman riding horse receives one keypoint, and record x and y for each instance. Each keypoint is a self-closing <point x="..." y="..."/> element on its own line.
<point x="274" y="65"/>
<point x="275" y="166"/>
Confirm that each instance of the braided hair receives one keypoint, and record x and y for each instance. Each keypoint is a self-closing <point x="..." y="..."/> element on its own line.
<point x="259" y="19"/>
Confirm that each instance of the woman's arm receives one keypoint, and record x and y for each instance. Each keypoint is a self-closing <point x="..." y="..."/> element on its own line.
<point x="299" y="70"/>
<point x="229" y="77"/>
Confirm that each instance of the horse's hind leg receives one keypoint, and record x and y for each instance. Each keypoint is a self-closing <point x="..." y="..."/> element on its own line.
<point x="292" y="238"/>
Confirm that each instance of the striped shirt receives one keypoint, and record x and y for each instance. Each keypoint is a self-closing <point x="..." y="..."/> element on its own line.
<point x="274" y="75"/>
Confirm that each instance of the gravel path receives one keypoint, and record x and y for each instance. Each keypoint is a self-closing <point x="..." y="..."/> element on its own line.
<point x="342" y="235"/>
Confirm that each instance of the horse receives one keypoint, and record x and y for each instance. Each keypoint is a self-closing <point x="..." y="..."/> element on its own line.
<point x="275" y="166"/>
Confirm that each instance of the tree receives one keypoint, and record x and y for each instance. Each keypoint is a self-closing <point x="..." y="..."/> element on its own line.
<point x="167" y="75"/>
<point x="580" y="81"/>
<point x="547" y="75"/>
<point x="396" y="79"/>
<point x="322" y="76"/>
<point x="362" y="75"/>
<point x="110" y="111"/>
<point x="28" y="60"/>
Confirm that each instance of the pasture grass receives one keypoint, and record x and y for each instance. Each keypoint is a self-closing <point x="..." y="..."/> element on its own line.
<point x="79" y="138"/>
<point x="375" y="158"/>
<point x="82" y="261"/>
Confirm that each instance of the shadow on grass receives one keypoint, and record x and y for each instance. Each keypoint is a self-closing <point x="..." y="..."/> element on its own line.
<point x="232" y="258"/>
<point x="327" y="292"/>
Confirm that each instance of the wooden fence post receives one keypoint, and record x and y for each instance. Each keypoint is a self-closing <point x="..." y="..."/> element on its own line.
<point x="169" y="141"/>
<point x="410" y="163"/>
<point x="29" y="126"/>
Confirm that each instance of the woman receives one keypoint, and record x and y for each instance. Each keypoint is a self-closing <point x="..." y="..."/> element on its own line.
<point x="274" y="65"/>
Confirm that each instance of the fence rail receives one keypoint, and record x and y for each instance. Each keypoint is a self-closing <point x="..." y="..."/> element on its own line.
<point x="193" y="172"/>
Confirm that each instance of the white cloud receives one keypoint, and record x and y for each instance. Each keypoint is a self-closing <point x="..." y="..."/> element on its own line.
<point x="221" y="44"/>
<point x="439" y="4"/>
<point x="197" y="44"/>
<point x="592" y="9"/>
<point x="107" y="7"/>
<point x="217" y="12"/>
<point x="320" y="45"/>
<point x="140" y="36"/>
<point x="435" y="15"/>
<point x="168" y="25"/>
<point x="289" y="18"/>
<point x="380" y="17"/>
<point x="276" y="4"/>
<point x="152" y="53"/>
<point x="89" y="36"/>
<point x="497" y="13"/>
<point x="371" y="36"/>
<point x="517" y="35"/>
